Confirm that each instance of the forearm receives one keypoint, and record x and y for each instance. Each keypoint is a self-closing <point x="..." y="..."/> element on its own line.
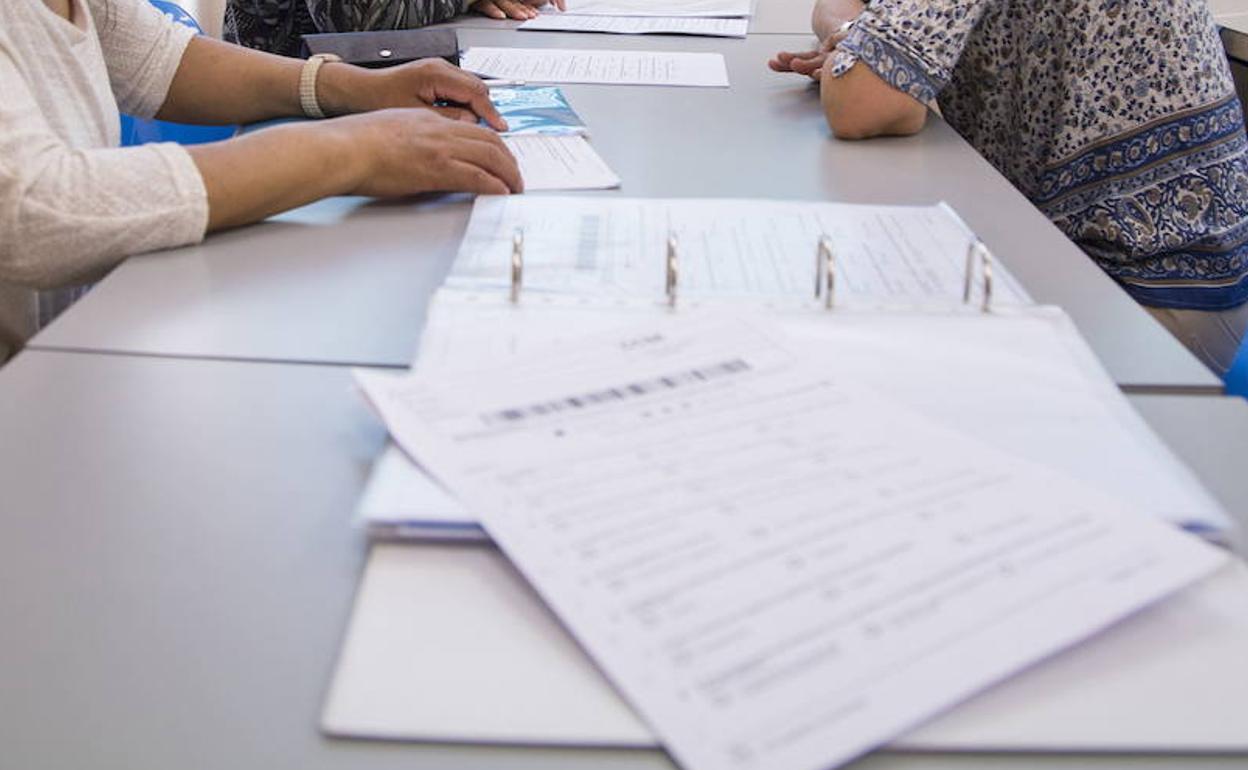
<point x="219" y="83"/>
<point x="828" y="16"/>
<point x="270" y="171"/>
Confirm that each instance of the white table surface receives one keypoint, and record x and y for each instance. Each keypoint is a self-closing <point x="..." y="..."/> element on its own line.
<point x="346" y="280"/>
<point x="178" y="561"/>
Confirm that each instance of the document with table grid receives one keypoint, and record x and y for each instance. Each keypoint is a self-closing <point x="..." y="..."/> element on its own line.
<point x="562" y="65"/>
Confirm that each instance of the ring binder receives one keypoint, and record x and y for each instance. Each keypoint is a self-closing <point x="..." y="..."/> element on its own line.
<point x="825" y="271"/>
<point x="517" y="263"/>
<point x="673" y="269"/>
<point x="980" y="266"/>
<point x="985" y="260"/>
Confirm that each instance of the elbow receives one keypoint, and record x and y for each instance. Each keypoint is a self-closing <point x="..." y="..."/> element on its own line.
<point x="853" y="125"/>
<point x="848" y="126"/>
<point x="21" y="265"/>
<point x="19" y="261"/>
<point x="42" y="253"/>
<point x="860" y="105"/>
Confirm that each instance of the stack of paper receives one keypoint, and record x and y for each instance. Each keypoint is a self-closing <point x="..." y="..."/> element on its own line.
<point x="774" y="566"/>
<point x="965" y="371"/>
<point x="588" y="259"/>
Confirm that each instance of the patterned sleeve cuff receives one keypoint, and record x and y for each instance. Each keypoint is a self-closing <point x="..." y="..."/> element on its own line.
<point x="896" y="67"/>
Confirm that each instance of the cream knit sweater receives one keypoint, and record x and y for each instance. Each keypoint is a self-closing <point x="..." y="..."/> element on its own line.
<point x="72" y="204"/>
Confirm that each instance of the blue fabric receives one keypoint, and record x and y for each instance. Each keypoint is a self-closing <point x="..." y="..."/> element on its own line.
<point x="1172" y="195"/>
<point x="136" y="131"/>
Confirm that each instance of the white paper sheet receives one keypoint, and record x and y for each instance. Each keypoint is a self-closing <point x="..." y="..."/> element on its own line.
<point x="638" y="25"/>
<point x="776" y="571"/>
<point x="563" y="65"/>
<point x="401" y="501"/>
<point x="696" y="8"/>
<point x="1024" y="382"/>
<point x="888" y="256"/>
<point x="448" y="643"/>
<point x="560" y="163"/>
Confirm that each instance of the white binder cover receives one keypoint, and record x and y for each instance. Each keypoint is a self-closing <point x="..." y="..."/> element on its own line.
<point x="447" y="643"/>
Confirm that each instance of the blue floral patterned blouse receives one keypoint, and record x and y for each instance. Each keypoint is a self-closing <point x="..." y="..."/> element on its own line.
<point x="1118" y="118"/>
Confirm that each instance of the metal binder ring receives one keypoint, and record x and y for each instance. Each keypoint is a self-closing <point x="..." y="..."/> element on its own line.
<point x="517" y="263"/>
<point x="825" y="262"/>
<point x="673" y="269"/>
<point x="985" y="260"/>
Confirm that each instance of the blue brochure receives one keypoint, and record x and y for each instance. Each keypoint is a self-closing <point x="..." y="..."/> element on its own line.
<point x="537" y="110"/>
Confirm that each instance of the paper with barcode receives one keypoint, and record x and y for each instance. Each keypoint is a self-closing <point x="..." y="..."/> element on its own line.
<point x="777" y="571"/>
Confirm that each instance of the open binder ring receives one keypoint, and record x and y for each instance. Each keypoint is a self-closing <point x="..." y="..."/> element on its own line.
<point x="517" y="263"/>
<point x="985" y="261"/>
<point x="825" y="271"/>
<point x="673" y="270"/>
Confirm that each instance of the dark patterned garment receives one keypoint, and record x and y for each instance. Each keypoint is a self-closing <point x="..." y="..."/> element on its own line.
<point x="1118" y="119"/>
<point x="279" y="25"/>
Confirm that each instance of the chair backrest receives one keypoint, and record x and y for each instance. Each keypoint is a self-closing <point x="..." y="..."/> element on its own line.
<point x="209" y="15"/>
<point x="1236" y="378"/>
<point x="135" y="131"/>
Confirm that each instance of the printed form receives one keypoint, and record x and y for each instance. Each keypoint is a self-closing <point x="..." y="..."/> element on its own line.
<point x="778" y="572"/>
<point x="638" y="25"/>
<point x="888" y="256"/>
<point x="1023" y="381"/>
<point x="560" y="163"/>
<point x="565" y="65"/>
<point x="693" y="8"/>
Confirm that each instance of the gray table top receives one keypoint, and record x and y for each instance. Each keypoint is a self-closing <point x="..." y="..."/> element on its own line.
<point x="178" y="563"/>
<point x="347" y="280"/>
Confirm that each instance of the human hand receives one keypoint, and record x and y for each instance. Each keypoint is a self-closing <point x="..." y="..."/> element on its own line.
<point x="431" y="84"/>
<point x="401" y="152"/>
<point x="809" y="63"/>
<point x="513" y="9"/>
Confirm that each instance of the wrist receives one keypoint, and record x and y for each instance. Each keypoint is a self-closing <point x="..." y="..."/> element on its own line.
<point x="344" y="159"/>
<point x="341" y="88"/>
